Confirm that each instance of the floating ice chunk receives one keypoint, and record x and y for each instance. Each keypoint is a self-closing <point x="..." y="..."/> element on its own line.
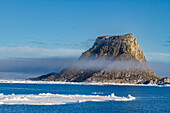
<point x="97" y="92"/>
<point x="1" y="103"/>
<point x="131" y="97"/>
<point x="57" y="99"/>
<point x="46" y="94"/>
<point x="113" y="95"/>
<point x="1" y="94"/>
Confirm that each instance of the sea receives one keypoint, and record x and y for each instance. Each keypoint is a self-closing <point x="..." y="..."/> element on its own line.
<point x="23" y="97"/>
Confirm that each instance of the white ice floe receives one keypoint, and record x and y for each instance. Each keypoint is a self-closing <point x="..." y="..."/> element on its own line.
<point x="57" y="99"/>
<point x="77" y="83"/>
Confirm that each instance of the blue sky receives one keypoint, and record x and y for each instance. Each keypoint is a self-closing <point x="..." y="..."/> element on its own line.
<point x="63" y="28"/>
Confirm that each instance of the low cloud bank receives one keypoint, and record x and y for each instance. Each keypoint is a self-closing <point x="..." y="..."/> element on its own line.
<point x="22" y="68"/>
<point x="29" y="52"/>
<point x="160" y="68"/>
<point x="118" y="65"/>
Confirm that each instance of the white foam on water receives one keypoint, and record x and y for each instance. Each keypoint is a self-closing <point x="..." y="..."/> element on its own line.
<point x="57" y="99"/>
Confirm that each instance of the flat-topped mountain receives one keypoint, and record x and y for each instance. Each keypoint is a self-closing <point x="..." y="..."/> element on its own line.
<point x="114" y="59"/>
<point x="116" y="46"/>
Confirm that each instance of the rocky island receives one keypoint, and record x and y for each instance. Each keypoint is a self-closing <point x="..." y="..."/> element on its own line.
<point x="112" y="59"/>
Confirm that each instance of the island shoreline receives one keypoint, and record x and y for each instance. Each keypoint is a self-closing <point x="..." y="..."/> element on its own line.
<point x="75" y="83"/>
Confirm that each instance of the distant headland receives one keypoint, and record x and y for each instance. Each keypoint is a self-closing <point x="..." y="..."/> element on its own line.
<point x="112" y="59"/>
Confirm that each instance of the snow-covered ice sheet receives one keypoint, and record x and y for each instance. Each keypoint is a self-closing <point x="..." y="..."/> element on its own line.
<point x="57" y="99"/>
<point x="77" y="83"/>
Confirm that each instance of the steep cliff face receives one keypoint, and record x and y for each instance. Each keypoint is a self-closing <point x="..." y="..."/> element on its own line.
<point x="116" y="46"/>
<point x="116" y="59"/>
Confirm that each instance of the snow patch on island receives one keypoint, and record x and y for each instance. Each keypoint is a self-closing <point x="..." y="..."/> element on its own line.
<point x="57" y="99"/>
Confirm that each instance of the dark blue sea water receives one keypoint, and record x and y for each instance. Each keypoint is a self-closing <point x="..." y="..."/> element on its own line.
<point x="149" y="99"/>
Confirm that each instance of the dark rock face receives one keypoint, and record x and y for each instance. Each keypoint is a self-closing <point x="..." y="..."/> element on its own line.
<point x="49" y="76"/>
<point x="162" y="81"/>
<point x="115" y="59"/>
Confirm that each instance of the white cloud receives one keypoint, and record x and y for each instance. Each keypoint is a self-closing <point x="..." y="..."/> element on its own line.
<point x="24" y="51"/>
<point x="161" y="54"/>
<point x="158" y="57"/>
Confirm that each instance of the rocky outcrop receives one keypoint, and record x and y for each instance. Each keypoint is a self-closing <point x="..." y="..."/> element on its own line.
<point x="119" y="47"/>
<point x="115" y="59"/>
<point x="162" y="81"/>
<point x="50" y="76"/>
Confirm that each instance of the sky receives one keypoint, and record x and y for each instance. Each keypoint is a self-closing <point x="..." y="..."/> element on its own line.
<point x="32" y="30"/>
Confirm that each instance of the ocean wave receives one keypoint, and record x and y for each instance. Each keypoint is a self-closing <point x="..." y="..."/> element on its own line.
<point x="57" y="99"/>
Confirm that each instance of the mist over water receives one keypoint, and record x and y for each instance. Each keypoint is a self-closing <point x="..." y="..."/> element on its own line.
<point x="22" y="68"/>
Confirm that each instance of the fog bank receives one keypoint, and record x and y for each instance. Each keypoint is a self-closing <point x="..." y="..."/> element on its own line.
<point x="22" y="68"/>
